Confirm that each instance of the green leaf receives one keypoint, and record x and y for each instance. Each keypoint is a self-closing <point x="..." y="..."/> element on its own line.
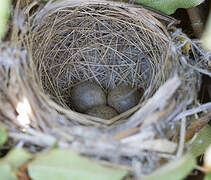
<point x="169" y="6"/>
<point x="3" y="135"/>
<point x="13" y="160"/>
<point x="201" y="142"/>
<point x="4" y="16"/>
<point x="174" y="170"/>
<point x="208" y="176"/>
<point x="68" y="165"/>
<point x="206" y="38"/>
<point x="6" y="173"/>
<point x="16" y="158"/>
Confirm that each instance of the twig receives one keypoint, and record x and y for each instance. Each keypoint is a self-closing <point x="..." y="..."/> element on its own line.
<point x="190" y="112"/>
<point x="197" y="125"/>
<point x="182" y="138"/>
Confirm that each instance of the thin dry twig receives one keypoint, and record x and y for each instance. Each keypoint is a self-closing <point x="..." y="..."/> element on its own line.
<point x="197" y="125"/>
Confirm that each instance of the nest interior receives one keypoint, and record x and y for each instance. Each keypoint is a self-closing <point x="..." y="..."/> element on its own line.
<point x="111" y="44"/>
<point x="103" y="44"/>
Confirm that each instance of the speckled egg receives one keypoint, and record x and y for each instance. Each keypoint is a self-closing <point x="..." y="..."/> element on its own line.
<point x="102" y="111"/>
<point x="123" y="98"/>
<point x="87" y="95"/>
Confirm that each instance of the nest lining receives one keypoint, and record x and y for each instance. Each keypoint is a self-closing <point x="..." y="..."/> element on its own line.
<point x="54" y="64"/>
<point x="96" y="43"/>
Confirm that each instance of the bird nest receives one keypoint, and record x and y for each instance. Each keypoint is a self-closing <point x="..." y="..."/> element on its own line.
<point x="106" y="45"/>
<point x="111" y="44"/>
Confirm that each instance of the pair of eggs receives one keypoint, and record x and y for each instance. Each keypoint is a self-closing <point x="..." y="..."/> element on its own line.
<point x="89" y="98"/>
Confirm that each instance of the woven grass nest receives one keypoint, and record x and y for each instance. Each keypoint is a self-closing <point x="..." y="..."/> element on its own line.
<point x="111" y="44"/>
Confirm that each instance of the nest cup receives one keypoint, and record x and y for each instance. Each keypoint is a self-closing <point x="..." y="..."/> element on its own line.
<point x="111" y="44"/>
<point x="102" y="42"/>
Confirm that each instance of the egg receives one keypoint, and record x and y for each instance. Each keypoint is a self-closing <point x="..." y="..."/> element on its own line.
<point x="123" y="98"/>
<point x="102" y="111"/>
<point x="87" y="95"/>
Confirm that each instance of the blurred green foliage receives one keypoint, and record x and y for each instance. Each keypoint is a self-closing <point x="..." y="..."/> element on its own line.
<point x="201" y="142"/>
<point x="175" y="170"/>
<point x="206" y="38"/>
<point x="3" y="135"/>
<point x="12" y="162"/>
<point x="169" y="6"/>
<point x="5" y="6"/>
<point x="68" y="165"/>
<point x="208" y="176"/>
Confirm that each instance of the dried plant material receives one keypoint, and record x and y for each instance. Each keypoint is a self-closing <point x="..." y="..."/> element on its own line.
<point x="197" y="125"/>
<point x="181" y="143"/>
<point x="126" y="133"/>
<point x="139" y="137"/>
<point x="111" y="44"/>
<point x="95" y="45"/>
<point x="159" y="145"/>
<point x="115" y="59"/>
<point x="192" y="111"/>
<point x="157" y="116"/>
